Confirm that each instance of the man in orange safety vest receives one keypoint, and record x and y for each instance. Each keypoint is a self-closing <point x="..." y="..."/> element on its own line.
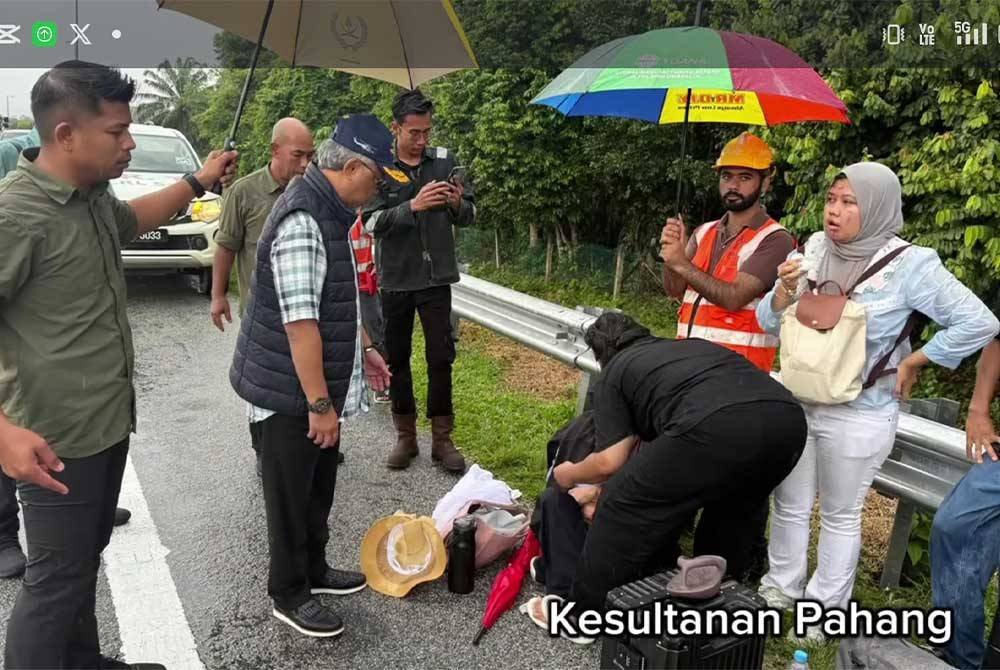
<point x="726" y="266"/>
<point x="723" y="270"/>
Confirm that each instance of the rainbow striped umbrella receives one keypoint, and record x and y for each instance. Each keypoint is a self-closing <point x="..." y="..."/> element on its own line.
<point x="695" y="74"/>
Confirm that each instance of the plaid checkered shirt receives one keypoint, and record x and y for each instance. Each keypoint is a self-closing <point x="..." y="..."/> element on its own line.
<point x="298" y="261"/>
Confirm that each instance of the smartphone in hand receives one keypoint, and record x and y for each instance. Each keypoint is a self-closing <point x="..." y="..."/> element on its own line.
<point x="457" y="175"/>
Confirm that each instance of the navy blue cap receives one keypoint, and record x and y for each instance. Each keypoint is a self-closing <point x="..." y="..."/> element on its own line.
<point x="364" y="134"/>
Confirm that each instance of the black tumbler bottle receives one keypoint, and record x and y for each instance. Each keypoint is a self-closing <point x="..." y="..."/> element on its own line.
<point x="462" y="555"/>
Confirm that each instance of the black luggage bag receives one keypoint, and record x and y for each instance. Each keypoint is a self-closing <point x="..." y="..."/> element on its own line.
<point x="677" y="652"/>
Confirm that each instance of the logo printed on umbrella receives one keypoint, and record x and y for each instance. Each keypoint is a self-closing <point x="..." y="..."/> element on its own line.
<point x="647" y="60"/>
<point x="710" y="99"/>
<point x="351" y="33"/>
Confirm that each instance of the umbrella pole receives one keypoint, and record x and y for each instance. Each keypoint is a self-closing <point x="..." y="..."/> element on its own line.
<point x="680" y="168"/>
<point x="231" y="142"/>
<point x="684" y="128"/>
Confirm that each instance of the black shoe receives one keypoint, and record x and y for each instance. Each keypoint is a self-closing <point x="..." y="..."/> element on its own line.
<point x="340" y="457"/>
<point x="122" y="516"/>
<point x="114" y="664"/>
<point x="338" y="582"/>
<point x="12" y="561"/>
<point x="312" y="619"/>
<point x="260" y="466"/>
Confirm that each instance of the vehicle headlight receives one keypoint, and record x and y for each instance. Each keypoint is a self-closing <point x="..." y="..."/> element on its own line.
<point x="206" y="210"/>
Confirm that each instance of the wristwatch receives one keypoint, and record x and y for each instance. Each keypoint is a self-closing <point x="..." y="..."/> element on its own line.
<point x="321" y="406"/>
<point x="199" y="190"/>
<point x="370" y="348"/>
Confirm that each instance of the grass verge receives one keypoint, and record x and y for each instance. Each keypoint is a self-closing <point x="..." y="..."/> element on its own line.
<point x="505" y="430"/>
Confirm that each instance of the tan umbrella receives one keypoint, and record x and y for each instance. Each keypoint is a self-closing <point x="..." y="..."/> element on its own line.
<point x="405" y="42"/>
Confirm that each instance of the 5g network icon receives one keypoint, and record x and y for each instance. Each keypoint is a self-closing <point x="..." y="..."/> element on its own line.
<point x="45" y="34"/>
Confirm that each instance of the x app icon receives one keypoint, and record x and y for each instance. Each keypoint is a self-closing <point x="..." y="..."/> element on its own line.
<point x="7" y="35"/>
<point x="81" y="34"/>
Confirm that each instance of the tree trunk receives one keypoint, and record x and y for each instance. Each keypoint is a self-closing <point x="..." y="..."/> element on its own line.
<point x="558" y="236"/>
<point x="548" y="257"/>
<point x="496" y="245"/>
<point x="574" y="232"/>
<point x="619" y="270"/>
<point x="532" y="235"/>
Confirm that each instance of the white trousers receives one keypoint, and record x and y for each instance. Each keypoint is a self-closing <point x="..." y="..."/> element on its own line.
<point x="843" y="452"/>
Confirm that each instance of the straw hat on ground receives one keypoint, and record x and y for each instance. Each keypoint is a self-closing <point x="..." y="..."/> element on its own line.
<point x="401" y="551"/>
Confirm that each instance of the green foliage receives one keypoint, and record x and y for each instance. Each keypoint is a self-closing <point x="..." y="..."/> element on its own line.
<point x="317" y="97"/>
<point x="611" y="182"/>
<point x="936" y="126"/>
<point x="174" y="95"/>
<point x="576" y="288"/>
<point x="918" y="555"/>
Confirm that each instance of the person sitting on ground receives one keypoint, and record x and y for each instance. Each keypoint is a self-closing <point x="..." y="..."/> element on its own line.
<point x="720" y="434"/>
<point x="849" y="441"/>
<point x="965" y="538"/>
<point x="561" y="518"/>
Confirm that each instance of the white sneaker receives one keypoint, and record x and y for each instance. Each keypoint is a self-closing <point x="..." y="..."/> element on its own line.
<point x="775" y="598"/>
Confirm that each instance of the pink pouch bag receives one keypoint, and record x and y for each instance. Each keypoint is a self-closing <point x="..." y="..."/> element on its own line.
<point x="499" y="528"/>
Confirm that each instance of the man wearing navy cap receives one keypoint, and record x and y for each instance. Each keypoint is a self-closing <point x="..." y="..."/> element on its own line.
<point x="302" y="360"/>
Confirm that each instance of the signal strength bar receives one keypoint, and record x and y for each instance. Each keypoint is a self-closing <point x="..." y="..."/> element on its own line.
<point x="977" y="36"/>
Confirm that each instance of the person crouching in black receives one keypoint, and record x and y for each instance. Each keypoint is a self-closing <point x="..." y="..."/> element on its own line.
<point x="717" y="435"/>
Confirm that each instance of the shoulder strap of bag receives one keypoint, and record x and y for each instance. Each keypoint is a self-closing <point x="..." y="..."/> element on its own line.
<point x="878" y="266"/>
<point x="870" y="272"/>
<point x="880" y="370"/>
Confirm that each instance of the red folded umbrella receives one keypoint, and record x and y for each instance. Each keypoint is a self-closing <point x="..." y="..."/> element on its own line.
<point x="508" y="583"/>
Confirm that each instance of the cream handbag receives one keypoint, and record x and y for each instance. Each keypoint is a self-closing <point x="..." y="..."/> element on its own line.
<point x="823" y="347"/>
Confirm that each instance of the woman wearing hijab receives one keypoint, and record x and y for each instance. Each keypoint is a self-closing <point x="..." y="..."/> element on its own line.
<point x="848" y="442"/>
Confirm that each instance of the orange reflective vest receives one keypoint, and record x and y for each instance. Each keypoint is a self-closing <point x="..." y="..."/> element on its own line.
<point x="737" y="330"/>
<point x="362" y="244"/>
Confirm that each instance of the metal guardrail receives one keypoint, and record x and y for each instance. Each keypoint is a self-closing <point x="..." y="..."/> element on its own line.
<point x="552" y="329"/>
<point x="926" y="462"/>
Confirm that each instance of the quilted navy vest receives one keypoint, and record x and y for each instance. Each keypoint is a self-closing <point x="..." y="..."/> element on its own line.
<point x="263" y="372"/>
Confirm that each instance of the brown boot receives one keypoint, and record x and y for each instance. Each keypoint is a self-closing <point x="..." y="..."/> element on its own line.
<point x="442" y="448"/>
<point x="406" y="448"/>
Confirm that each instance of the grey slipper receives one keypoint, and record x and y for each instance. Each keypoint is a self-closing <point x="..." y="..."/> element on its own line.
<point x="699" y="578"/>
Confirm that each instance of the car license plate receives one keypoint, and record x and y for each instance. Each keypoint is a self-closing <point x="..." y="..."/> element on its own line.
<point x="154" y="238"/>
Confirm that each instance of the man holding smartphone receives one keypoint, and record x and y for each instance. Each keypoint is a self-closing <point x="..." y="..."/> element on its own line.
<point x="415" y="256"/>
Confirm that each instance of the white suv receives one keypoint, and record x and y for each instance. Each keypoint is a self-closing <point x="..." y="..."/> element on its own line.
<point x="187" y="243"/>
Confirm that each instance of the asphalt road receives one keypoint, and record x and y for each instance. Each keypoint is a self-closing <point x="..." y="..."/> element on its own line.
<point x="195" y="468"/>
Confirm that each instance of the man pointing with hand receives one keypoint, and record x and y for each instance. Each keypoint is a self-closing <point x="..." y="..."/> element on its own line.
<point x="66" y="356"/>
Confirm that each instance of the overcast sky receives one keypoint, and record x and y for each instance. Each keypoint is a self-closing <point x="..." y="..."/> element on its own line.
<point x="18" y="82"/>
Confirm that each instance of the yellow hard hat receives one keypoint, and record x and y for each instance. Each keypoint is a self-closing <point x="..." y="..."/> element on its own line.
<point x="748" y="151"/>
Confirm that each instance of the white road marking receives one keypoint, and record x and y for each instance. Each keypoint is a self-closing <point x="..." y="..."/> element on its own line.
<point x="151" y="620"/>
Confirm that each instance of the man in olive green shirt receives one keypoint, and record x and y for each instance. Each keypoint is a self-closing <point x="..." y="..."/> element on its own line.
<point x="66" y="356"/>
<point x="12" y="559"/>
<point x="244" y="212"/>
<point x="245" y="208"/>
